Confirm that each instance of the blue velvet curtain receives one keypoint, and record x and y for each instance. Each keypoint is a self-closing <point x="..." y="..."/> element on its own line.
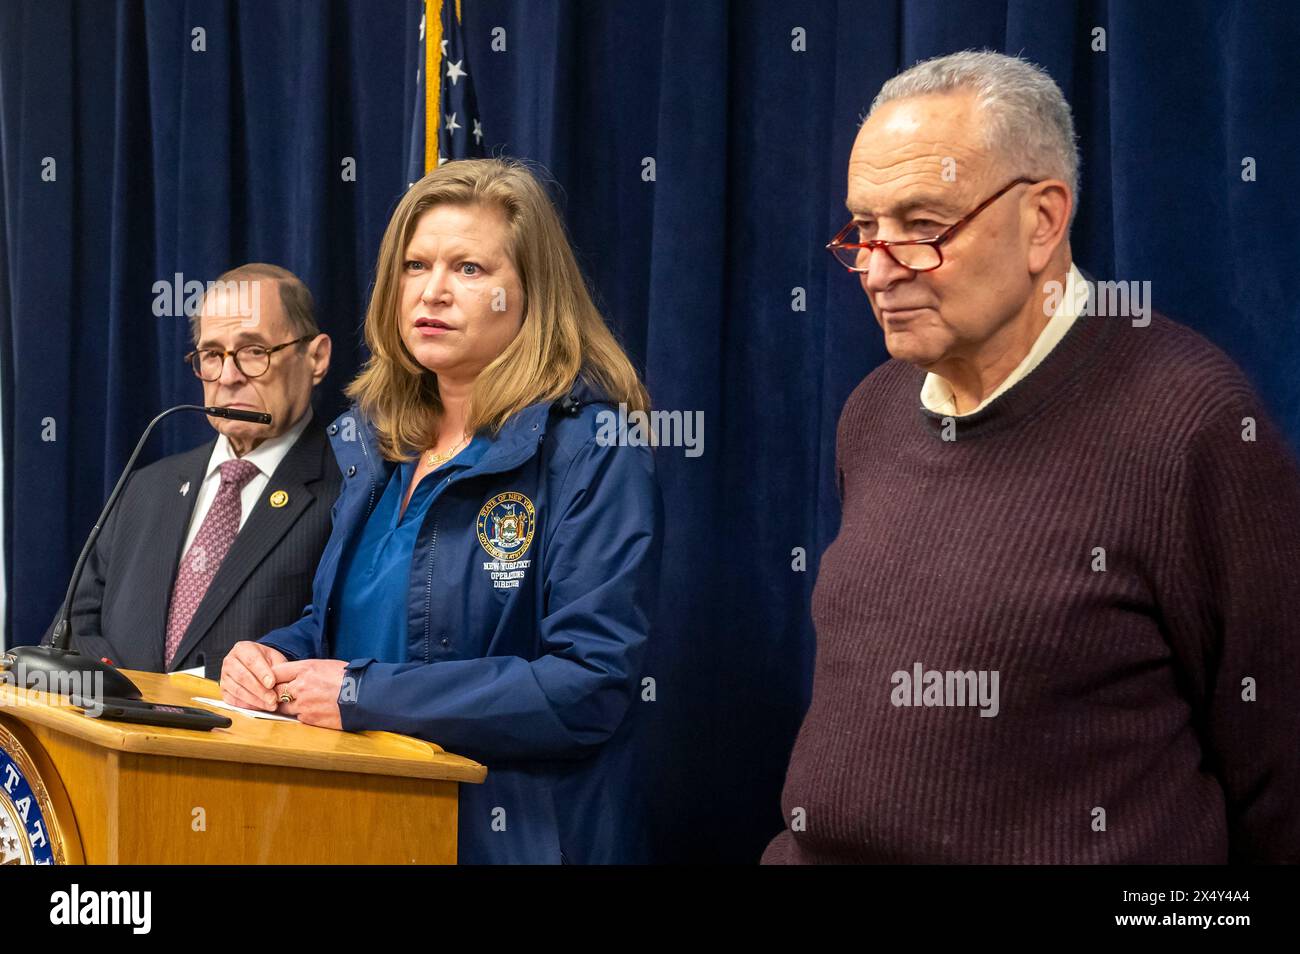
<point x="711" y="268"/>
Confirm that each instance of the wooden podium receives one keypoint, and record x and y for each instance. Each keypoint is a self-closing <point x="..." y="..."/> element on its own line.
<point x="259" y="792"/>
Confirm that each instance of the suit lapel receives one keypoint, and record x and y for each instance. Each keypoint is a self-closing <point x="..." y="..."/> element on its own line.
<point x="264" y="529"/>
<point x="180" y="491"/>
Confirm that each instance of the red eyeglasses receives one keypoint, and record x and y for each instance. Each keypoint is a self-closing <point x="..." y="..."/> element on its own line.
<point x="920" y="255"/>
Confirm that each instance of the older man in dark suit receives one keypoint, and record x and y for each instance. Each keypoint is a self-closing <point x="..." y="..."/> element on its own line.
<point x="220" y="543"/>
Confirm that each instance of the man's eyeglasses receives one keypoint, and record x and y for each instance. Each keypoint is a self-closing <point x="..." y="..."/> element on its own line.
<point x="252" y="360"/>
<point x="920" y="255"/>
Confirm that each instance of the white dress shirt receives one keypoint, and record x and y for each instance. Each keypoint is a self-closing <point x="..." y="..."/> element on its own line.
<point x="266" y="456"/>
<point x="936" y="393"/>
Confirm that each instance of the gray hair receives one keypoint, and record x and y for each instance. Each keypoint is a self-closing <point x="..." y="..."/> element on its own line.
<point x="295" y="297"/>
<point x="1028" y="120"/>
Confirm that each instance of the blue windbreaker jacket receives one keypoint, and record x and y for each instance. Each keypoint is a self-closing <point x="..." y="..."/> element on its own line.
<point x="530" y="589"/>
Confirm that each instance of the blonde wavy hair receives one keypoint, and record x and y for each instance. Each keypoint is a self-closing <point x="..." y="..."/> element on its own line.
<point x="562" y="335"/>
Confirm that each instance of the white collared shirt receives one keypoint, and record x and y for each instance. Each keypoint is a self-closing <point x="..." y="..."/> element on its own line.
<point x="266" y="456"/>
<point x="936" y="393"/>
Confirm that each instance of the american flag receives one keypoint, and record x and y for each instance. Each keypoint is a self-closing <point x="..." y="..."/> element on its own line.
<point x="446" y="120"/>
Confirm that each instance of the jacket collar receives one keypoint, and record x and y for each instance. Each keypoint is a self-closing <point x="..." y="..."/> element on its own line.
<point x="517" y="441"/>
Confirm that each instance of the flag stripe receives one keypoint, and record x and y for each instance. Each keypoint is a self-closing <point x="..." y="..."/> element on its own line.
<point x="432" y="80"/>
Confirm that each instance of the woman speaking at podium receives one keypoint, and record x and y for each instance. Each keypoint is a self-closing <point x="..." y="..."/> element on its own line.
<point x="494" y="555"/>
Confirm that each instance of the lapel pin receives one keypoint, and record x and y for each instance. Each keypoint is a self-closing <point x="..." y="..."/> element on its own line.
<point x="279" y="499"/>
<point x="185" y="488"/>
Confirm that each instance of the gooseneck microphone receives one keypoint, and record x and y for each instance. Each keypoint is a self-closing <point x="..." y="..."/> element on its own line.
<point x="50" y="665"/>
<point x="234" y="414"/>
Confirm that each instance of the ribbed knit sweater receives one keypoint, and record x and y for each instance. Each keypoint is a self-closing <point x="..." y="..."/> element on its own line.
<point x="1104" y="538"/>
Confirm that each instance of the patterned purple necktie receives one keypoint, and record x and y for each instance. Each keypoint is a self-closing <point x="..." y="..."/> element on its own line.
<point x="203" y="559"/>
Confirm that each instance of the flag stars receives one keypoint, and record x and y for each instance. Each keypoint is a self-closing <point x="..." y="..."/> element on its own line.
<point x="451" y="124"/>
<point x="454" y="72"/>
<point x="478" y="133"/>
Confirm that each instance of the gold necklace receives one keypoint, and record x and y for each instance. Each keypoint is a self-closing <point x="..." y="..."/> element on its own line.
<point x="435" y="460"/>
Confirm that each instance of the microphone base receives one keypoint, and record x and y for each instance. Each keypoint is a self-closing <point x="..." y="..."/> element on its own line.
<point x="57" y="670"/>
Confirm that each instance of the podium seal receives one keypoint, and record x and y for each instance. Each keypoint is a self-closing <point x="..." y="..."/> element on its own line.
<point x="29" y="829"/>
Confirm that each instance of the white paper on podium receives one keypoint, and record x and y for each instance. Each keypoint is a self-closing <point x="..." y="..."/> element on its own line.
<point x="254" y="713"/>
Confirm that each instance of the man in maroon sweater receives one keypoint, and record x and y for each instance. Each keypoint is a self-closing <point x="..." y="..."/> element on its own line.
<point x="1061" y="620"/>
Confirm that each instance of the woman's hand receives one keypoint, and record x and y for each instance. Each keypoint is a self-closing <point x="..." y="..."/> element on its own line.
<point x="314" y="686"/>
<point x="246" y="677"/>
